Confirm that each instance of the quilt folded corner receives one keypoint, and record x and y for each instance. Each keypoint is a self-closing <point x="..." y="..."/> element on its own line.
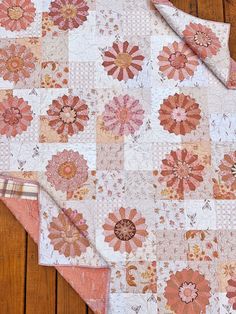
<point x="209" y="40"/>
<point x="92" y="284"/>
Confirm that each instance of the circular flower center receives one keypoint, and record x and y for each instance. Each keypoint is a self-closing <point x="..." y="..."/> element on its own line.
<point x="14" y="64"/>
<point x="67" y="114"/>
<point x="178" y="60"/>
<point x="70" y="234"/>
<point x="125" y="230"/>
<point x="123" y="115"/>
<point x="15" y="13"/>
<point x="12" y="116"/>
<point x="179" y="114"/>
<point x="69" y="11"/>
<point x="188" y="292"/>
<point x="202" y="39"/>
<point x="123" y="60"/>
<point x="233" y="169"/>
<point x="182" y="170"/>
<point x="67" y="170"/>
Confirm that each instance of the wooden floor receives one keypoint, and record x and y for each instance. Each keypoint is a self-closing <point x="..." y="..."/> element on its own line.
<point x="25" y="287"/>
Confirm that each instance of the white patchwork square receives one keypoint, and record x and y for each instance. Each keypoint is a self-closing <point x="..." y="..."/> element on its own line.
<point x="200" y="214"/>
<point x="25" y="157"/>
<point x="83" y="42"/>
<point x="138" y="156"/>
<point x="223" y="127"/>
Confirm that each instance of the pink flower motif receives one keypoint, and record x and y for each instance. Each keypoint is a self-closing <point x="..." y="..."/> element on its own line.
<point x="177" y="61"/>
<point x="125" y="230"/>
<point x="68" y="14"/>
<point x="182" y="171"/>
<point x="187" y="292"/>
<point x="68" y="232"/>
<point x="179" y="114"/>
<point x="16" y="15"/>
<point x="68" y="115"/>
<point x="123" y="61"/>
<point x="228" y="169"/>
<point x="16" y="63"/>
<point x="231" y="291"/>
<point x="123" y="115"/>
<point x="15" y="116"/>
<point x="202" y="40"/>
<point x="67" y="171"/>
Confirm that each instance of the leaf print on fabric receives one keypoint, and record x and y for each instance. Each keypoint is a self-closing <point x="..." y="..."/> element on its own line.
<point x="47" y="24"/>
<point x="16" y="15"/>
<point x="68" y="115"/>
<point x="123" y="61"/>
<point x="202" y="245"/>
<point x="68" y="14"/>
<point x="16" y="63"/>
<point x="202" y="40"/>
<point x="67" y="171"/>
<point x="182" y="170"/>
<point x="15" y="116"/>
<point x="123" y="115"/>
<point x="228" y="169"/>
<point x="54" y="75"/>
<point x="125" y="230"/>
<point x="231" y="291"/>
<point x="68" y="232"/>
<point x="141" y="277"/>
<point x="187" y="292"/>
<point x="177" y="61"/>
<point x="179" y="114"/>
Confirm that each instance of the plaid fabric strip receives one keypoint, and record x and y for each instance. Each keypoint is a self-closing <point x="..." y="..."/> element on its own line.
<point x="14" y="189"/>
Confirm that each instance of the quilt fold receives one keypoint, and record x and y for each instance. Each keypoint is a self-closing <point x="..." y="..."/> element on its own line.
<point x="91" y="284"/>
<point x="220" y="63"/>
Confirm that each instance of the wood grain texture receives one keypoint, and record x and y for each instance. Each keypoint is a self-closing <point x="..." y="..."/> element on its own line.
<point x="89" y="311"/>
<point x="230" y="17"/>
<point x="32" y="289"/>
<point x="12" y="263"/>
<point x="68" y="301"/>
<point x="188" y="6"/>
<point x="211" y="10"/>
<point x="40" y="284"/>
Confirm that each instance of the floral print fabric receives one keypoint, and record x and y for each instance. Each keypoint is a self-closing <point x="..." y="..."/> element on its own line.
<point x="17" y="62"/>
<point x="202" y="40"/>
<point x="132" y="141"/>
<point x="17" y="15"/>
<point x="16" y="116"/>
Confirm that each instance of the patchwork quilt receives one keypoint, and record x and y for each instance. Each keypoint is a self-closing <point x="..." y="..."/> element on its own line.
<point x="118" y="150"/>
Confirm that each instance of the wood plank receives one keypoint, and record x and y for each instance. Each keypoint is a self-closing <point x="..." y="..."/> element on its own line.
<point x="40" y="284"/>
<point x="230" y="17"/>
<point x="188" y="6"/>
<point x="12" y="260"/>
<point x="211" y="10"/>
<point x="68" y="301"/>
<point x="90" y="311"/>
